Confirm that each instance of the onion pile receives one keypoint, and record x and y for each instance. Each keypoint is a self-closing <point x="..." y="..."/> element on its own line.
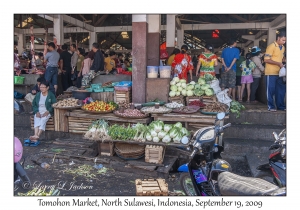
<point x="131" y="113"/>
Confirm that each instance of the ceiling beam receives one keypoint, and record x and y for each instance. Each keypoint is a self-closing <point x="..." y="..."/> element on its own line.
<point x="282" y="25"/>
<point x="83" y="18"/>
<point x="280" y="19"/>
<point x="254" y="17"/>
<point x="227" y="26"/>
<point x="101" y="20"/>
<point x="239" y="18"/>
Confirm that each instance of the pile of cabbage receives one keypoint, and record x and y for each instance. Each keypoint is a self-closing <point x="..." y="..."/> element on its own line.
<point x="180" y="87"/>
<point x="159" y="132"/>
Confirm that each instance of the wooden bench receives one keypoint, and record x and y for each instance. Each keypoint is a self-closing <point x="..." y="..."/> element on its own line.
<point x="49" y="125"/>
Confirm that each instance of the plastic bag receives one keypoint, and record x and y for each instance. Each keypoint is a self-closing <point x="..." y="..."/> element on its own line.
<point x="282" y="72"/>
<point x="18" y="95"/>
<point x="18" y="107"/>
<point x="223" y="97"/>
<point x="215" y="85"/>
<point x="164" y="54"/>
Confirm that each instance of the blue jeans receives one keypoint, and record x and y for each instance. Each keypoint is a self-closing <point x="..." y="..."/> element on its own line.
<point x="275" y="86"/>
<point x="51" y="77"/>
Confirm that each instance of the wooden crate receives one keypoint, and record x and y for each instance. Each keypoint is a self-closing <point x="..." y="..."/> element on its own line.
<point x="79" y="125"/>
<point x="157" y="88"/>
<point x="106" y="148"/>
<point x="209" y="99"/>
<point x="178" y="99"/>
<point x="151" y="187"/>
<point x="49" y="125"/>
<point x="154" y="154"/>
<point x="123" y="96"/>
<point x="192" y="98"/>
<point x="103" y="96"/>
<point x="61" y="120"/>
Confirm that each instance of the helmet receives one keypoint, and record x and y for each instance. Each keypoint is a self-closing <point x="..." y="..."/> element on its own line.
<point x="18" y="150"/>
<point x="255" y="49"/>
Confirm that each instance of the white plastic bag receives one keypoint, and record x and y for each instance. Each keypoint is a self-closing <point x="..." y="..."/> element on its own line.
<point x="215" y="85"/>
<point x="282" y="72"/>
<point x="223" y="97"/>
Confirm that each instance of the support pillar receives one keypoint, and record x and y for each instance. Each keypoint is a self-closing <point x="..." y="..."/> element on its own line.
<point x="93" y="38"/>
<point x="20" y="43"/>
<point x="171" y="23"/>
<point x="271" y="35"/>
<point x="256" y="42"/>
<point x="180" y="38"/>
<point x="139" y="57"/>
<point x="58" y="29"/>
<point x="153" y="40"/>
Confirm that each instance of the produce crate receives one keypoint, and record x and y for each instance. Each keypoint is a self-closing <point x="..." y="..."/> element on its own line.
<point x="123" y="96"/>
<point x="79" y="125"/>
<point x="192" y="98"/>
<point x="98" y="90"/>
<point x="123" y="88"/>
<point x="151" y="187"/>
<point x="178" y="99"/>
<point x="154" y="154"/>
<point x="19" y="80"/>
<point x="108" y="89"/>
<point x="49" y="125"/>
<point x="106" y="148"/>
<point x="209" y="99"/>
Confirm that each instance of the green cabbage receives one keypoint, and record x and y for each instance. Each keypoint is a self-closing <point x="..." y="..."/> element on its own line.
<point x="179" y="89"/>
<point x="172" y="83"/>
<point x="189" y="93"/>
<point x="178" y="84"/>
<point x="182" y="81"/>
<point x="176" y="79"/>
<point x="166" y="139"/>
<point x="192" y="83"/>
<point x="178" y="125"/>
<point x="197" y="86"/>
<point x="209" y="92"/>
<point x="183" y="85"/>
<point x="190" y="87"/>
<point x="183" y="92"/>
<point x="198" y="92"/>
<point x="208" y="77"/>
<point x="205" y="86"/>
<point x="173" y="88"/>
<point x="172" y="93"/>
<point x="177" y="93"/>
<point x="201" y="81"/>
<point x="167" y="128"/>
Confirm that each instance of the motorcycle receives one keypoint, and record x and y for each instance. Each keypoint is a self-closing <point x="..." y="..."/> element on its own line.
<point x="20" y="175"/>
<point x="276" y="168"/>
<point x="207" y="174"/>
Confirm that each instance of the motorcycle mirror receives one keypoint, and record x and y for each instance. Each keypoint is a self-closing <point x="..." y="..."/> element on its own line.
<point x="184" y="140"/>
<point x="220" y="116"/>
<point x="281" y="133"/>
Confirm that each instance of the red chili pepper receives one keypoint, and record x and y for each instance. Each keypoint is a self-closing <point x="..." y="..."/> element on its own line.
<point x="197" y="103"/>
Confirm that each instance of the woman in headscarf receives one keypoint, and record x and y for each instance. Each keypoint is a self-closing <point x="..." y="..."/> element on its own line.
<point x="182" y="64"/>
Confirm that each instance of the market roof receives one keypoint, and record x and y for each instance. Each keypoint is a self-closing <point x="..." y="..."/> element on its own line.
<point x="194" y="38"/>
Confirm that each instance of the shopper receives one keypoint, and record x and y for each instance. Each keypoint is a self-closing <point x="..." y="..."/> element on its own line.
<point x="207" y="60"/>
<point x="182" y="64"/>
<point x="74" y="60"/>
<point x="256" y="58"/>
<point x="51" y="58"/>
<point x="65" y="67"/>
<point x="119" y="61"/>
<point x="109" y="63"/>
<point x="218" y="68"/>
<point x="96" y="68"/>
<point x="275" y="85"/>
<point x="80" y="52"/>
<point x="239" y="74"/>
<point x="172" y="56"/>
<point x="228" y="78"/>
<point x="43" y="110"/>
<point x="247" y="67"/>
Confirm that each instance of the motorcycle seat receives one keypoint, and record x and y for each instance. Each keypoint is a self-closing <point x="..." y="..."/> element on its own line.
<point x="233" y="185"/>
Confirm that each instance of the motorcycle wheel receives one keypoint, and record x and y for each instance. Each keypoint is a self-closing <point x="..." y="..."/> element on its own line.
<point x="187" y="185"/>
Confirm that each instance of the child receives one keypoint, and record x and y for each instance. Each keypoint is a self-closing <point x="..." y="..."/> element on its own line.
<point x="30" y="96"/>
<point x="247" y="67"/>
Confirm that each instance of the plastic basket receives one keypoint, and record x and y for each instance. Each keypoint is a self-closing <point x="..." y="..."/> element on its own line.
<point x="89" y="89"/>
<point x="96" y="86"/>
<point x="19" y="80"/>
<point x="109" y="89"/>
<point x="98" y="90"/>
<point x="124" y="83"/>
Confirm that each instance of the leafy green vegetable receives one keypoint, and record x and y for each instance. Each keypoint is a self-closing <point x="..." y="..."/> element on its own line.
<point x="209" y="92"/>
<point x="201" y="81"/>
<point x="236" y="107"/>
<point x="208" y="77"/>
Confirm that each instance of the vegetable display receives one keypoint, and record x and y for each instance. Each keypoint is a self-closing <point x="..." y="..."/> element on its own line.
<point x="130" y="113"/>
<point x="99" y="106"/>
<point x="70" y="102"/>
<point x="98" y="130"/>
<point x="173" y="105"/>
<point x="197" y="103"/>
<point x="153" y="110"/>
<point x="187" y="109"/>
<point x="236" y="107"/>
<point x="124" y="104"/>
<point x="216" y="107"/>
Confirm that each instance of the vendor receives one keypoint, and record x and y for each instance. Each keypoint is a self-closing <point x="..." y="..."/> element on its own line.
<point x="109" y="63"/>
<point x="43" y="110"/>
<point x="36" y="89"/>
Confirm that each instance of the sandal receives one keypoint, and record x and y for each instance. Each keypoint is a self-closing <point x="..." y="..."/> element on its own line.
<point x="27" y="142"/>
<point x="34" y="144"/>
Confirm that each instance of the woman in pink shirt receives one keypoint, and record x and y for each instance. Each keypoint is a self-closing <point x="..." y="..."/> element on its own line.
<point x="87" y="63"/>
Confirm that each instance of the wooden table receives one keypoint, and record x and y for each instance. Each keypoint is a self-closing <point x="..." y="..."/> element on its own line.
<point x="79" y="120"/>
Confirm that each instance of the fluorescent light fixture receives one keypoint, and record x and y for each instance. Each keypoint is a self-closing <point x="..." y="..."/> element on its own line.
<point x="24" y="23"/>
<point x="125" y="35"/>
<point x="250" y="32"/>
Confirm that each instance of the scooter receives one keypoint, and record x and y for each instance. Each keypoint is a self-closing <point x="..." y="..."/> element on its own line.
<point x="207" y="174"/>
<point x="20" y="175"/>
<point x="276" y="168"/>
